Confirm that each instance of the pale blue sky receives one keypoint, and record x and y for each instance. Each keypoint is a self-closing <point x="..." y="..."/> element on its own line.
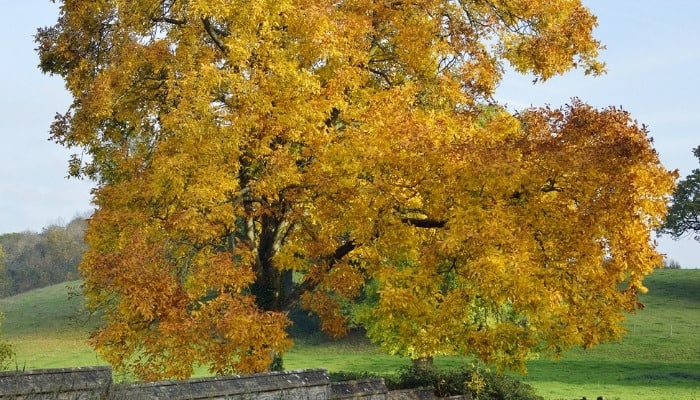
<point x="653" y="57"/>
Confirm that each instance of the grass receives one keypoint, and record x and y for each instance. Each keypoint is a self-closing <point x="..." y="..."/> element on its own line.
<point x="658" y="359"/>
<point x="46" y="329"/>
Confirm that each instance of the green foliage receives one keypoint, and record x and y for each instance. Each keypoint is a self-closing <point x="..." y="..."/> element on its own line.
<point x="503" y="387"/>
<point x="480" y="383"/>
<point x="683" y="216"/>
<point x="277" y="363"/>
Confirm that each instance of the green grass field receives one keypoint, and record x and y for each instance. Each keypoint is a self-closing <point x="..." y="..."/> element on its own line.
<point x="658" y="359"/>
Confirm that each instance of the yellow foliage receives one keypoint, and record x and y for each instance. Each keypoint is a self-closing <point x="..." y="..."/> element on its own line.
<point x="355" y="145"/>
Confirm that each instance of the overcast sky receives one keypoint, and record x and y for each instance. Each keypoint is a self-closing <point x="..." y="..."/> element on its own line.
<point x="653" y="54"/>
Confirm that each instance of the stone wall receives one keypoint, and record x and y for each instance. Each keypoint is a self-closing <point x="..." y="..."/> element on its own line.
<point x="95" y="383"/>
<point x="310" y="384"/>
<point x="85" y="383"/>
<point x="368" y="389"/>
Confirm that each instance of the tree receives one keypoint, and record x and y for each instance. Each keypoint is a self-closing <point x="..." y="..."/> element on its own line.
<point x="7" y="352"/>
<point x="684" y="214"/>
<point x="248" y="161"/>
<point x="5" y="284"/>
<point x="35" y="260"/>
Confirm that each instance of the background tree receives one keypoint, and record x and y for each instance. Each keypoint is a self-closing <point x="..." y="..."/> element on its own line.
<point x="35" y="260"/>
<point x="236" y="145"/>
<point x="5" y="283"/>
<point x="6" y="350"/>
<point x="684" y="214"/>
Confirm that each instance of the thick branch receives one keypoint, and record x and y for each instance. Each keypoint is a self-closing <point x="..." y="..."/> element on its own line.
<point x="214" y="35"/>
<point x="169" y="20"/>
<point x="310" y="284"/>
<point x="424" y="222"/>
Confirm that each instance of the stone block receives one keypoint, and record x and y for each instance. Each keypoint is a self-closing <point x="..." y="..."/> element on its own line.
<point x="293" y="385"/>
<point x="85" y="383"/>
<point x="412" y="394"/>
<point x="367" y="389"/>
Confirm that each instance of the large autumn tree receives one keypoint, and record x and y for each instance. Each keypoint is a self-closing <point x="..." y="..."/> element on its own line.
<point x="347" y="156"/>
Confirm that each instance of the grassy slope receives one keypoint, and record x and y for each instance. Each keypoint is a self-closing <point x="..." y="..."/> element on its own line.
<point x="658" y="359"/>
<point x="45" y="327"/>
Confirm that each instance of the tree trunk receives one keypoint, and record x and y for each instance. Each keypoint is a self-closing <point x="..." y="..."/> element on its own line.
<point x="423" y="362"/>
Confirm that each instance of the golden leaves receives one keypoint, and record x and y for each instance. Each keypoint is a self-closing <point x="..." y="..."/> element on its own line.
<point x="543" y="226"/>
<point x="549" y="38"/>
<point x="353" y="143"/>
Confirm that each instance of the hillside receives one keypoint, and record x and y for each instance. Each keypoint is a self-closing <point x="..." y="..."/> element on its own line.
<point x="48" y="328"/>
<point x="658" y="358"/>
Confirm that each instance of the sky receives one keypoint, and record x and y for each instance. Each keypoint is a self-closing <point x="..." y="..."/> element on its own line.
<point x="652" y="56"/>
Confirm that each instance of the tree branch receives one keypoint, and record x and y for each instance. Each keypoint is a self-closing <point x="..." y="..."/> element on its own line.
<point x="169" y="20"/>
<point x="424" y="222"/>
<point x="214" y="35"/>
<point x="310" y="284"/>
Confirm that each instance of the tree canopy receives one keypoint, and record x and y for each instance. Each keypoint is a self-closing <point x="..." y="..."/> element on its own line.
<point x="347" y="156"/>
<point x="684" y="214"/>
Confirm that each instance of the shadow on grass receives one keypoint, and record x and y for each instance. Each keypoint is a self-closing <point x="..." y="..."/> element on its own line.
<point x="633" y="373"/>
<point x="665" y="286"/>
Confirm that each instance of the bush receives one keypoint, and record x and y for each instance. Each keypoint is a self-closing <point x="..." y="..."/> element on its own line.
<point x="481" y="384"/>
<point x="502" y="387"/>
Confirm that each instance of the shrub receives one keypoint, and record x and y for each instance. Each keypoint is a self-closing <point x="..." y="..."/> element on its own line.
<point x="480" y="383"/>
<point x="503" y="387"/>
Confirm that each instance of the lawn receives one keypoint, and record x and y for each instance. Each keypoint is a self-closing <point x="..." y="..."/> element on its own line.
<point x="658" y="359"/>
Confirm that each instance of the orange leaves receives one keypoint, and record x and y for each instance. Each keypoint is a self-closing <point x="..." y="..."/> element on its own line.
<point x="228" y="348"/>
<point x="170" y="305"/>
<point x="165" y="317"/>
<point x="217" y="270"/>
<point x="209" y="335"/>
<point x="334" y="322"/>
